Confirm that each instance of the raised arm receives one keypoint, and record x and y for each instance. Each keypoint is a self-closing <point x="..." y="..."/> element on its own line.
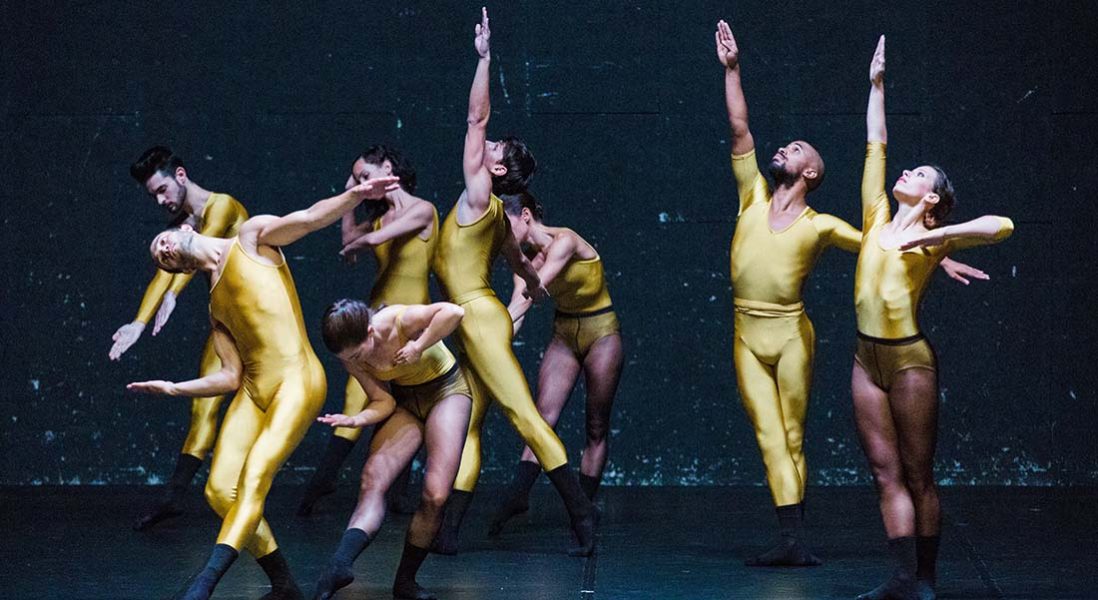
<point x="380" y="403"/>
<point x="225" y="380"/>
<point x="424" y="326"/>
<point x="875" y="209"/>
<point x="988" y="229"/>
<point x="414" y="220"/>
<point x="728" y="53"/>
<point x="282" y="231"/>
<point x="478" y="180"/>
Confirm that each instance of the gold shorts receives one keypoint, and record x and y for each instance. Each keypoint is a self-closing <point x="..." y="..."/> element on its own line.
<point x="420" y="399"/>
<point x="883" y="359"/>
<point x="580" y="331"/>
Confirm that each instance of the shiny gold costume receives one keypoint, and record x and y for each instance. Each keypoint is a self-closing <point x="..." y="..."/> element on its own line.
<point x="463" y="266"/>
<point x="774" y="339"/>
<point x="221" y="217"/>
<point x="585" y="313"/>
<point x="403" y="266"/>
<point x="889" y="283"/>
<point x="282" y="391"/>
<point x="419" y="386"/>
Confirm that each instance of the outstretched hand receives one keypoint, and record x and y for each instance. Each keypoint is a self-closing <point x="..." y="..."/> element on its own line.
<point x="338" y="420"/>
<point x="727" y="50"/>
<point x="167" y="305"/>
<point x="483" y="33"/>
<point x="375" y="188"/>
<point x="877" y="65"/>
<point x="962" y="272"/>
<point x="125" y="337"/>
<point x="156" y="386"/>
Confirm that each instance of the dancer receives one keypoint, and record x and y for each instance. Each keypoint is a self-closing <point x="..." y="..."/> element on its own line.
<point x="474" y="233"/>
<point x="163" y="175"/>
<point x="259" y="335"/>
<point x="418" y="393"/>
<point x="585" y="337"/>
<point x="402" y="230"/>
<point x="777" y="241"/>
<point x="894" y="380"/>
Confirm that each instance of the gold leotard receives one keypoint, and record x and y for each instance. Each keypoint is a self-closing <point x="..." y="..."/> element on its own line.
<point x="463" y="265"/>
<point x="221" y="217"/>
<point x="403" y="265"/>
<point x="774" y="339"/>
<point x="282" y="391"/>
<point x="585" y="313"/>
<point x="889" y="283"/>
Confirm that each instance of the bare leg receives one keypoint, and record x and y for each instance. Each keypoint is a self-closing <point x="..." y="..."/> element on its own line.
<point x="394" y="444"/>
<point x="602" y="371"/>
<point x="879" y="439"/>
<point x="446" y="429"/>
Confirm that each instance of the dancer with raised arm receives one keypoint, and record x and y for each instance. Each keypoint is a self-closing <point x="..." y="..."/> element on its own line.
<point x="260" y="337"/>
<point x="474" y="233"/>
<point x="162" y="173"/>
<point x="894" y="380"/>
<point x="777" y="240"/>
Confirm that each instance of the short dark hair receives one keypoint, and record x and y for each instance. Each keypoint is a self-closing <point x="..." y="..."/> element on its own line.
<point x="155" y="160"/>
<point x="936" y="216"/>
<point x="514" y="203"/>
<point x="402" y="167"/>
<point x="520" y="165"/>
<point x="345" y="324"/>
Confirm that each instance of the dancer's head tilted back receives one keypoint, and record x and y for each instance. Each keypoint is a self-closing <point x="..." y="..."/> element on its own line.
<point x="380" y="160"/>
<point x="162" y="173"/>
<point x="930" y="184"/>
<point x="345" y="326"/>
<point x="798" y="160"/>
<point x="173" y="250"/>
<point x="511" y="164"/>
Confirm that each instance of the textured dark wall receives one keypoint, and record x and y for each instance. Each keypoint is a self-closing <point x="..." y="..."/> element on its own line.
<point x="623" y="105"/>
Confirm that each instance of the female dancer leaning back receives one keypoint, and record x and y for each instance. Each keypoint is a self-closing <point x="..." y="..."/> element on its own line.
<point x="402" y="230"/>
<point x="894" y="383"/>
<point x="418" y="393"/>
<point x="585" y="337"/>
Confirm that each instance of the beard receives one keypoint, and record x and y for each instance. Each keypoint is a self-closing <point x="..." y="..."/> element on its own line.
<point x="782" y="175"/>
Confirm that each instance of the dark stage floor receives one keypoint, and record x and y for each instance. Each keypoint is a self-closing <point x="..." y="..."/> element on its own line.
<point x="663" y="543"/>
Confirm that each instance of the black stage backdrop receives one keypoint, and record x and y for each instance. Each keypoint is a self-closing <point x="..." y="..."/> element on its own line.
<point x="623" y="105"/>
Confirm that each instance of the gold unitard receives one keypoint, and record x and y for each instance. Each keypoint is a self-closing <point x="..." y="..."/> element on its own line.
<point x="585" y="313"/>
<point x="221" y="217"/>
<point x="403" y="265"/>
<point x="282" y="391"/>
<point x="889" y="283"/>
<point x="774" y="339"/>
<point x="463" y="266"/>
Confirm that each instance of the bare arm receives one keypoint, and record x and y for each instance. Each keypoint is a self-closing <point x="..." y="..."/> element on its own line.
<point x="519" y="304"/>
<point x="226" y="380"/>
<point x="380" y="404"/>
<point x="282" y="231"/>
<point x="412" y="221"/>
<point x="478" y="180"/>
<point x="425" y="326"/>
<point x="728" y="53"/>
<point x="521" y="265"/>
<point x="875" y="112"/>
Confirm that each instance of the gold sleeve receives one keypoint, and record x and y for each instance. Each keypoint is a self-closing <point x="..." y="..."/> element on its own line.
<point x="153" y="295"/>
<point x="750" y="184"/>
<point x="1006" y="228"/>
<point x="875" y="211"/>
<point x="839" y="233"/>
